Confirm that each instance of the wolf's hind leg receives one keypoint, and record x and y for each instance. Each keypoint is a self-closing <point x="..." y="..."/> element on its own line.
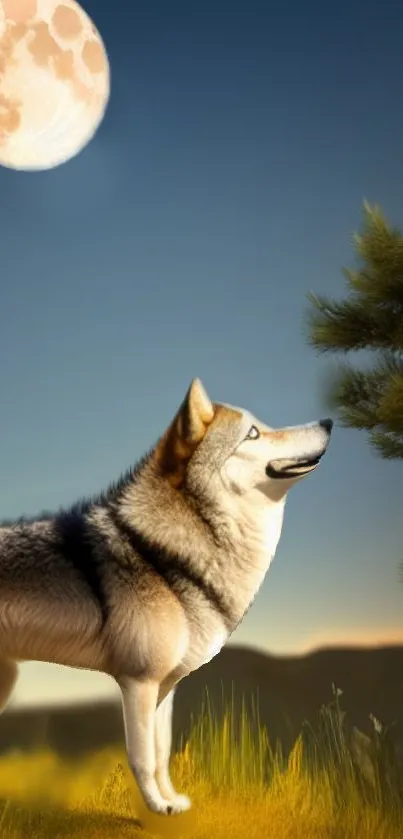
<point x="8" y="678"/>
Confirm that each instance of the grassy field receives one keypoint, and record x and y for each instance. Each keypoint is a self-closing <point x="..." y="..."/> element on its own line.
<point x="240" y="787"/>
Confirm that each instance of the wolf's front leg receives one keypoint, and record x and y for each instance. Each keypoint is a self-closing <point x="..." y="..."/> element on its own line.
<point x="163" y="742"/>
<point x="139" y="715"/>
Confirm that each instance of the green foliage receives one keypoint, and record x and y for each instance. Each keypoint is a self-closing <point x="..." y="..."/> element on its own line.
<point x="370" y="318"/>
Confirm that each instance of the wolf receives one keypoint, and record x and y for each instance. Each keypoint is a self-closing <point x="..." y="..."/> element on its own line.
<point x="147" y="581"/>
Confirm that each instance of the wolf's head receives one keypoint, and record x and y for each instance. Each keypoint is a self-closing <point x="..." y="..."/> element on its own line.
<point x="211" y="448"/>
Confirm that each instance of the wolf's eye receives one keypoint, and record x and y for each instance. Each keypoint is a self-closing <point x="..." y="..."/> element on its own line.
<point x="253" y="433"/>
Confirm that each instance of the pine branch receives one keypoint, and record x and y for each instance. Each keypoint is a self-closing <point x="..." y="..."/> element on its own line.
<point x="349" y="325"/>
<point x="354" y="395"/>
<point x="377" y="287"/>
<point x="390" y="410"/>
<point x="371" y="317"/>
<point x="370" y="400"/>
<point x="389" y="446"/>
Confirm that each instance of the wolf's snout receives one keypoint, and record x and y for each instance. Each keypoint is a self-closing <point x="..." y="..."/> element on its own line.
<point x="327" y="424"/>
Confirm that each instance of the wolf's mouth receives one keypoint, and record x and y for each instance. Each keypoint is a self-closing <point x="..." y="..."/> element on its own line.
<point x="292" y="468"/>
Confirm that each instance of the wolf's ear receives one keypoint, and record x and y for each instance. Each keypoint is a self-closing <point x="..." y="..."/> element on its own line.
<point x="195" y="414"/>
<point x="185" y="433"/>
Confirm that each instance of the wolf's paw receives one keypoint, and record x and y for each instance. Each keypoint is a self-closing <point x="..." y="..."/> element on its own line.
<point x="162" y="806"/>
<point x="169" y="807"/>
<point x="181" y="803"/>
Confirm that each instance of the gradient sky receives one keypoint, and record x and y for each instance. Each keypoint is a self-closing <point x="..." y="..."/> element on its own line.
<point x="224" y="184"/>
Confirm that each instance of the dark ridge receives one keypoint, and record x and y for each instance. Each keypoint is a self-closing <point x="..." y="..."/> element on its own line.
<point x="287" y="692"/>
<point x="83" y="506"/>
<point x="171" y="567"/>
<point x="77" y="547"/>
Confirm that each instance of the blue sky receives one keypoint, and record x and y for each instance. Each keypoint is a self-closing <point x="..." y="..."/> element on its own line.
<point x="224" y="183"/>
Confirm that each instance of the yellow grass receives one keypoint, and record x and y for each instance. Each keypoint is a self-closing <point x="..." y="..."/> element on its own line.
<point x="240" y="788"/>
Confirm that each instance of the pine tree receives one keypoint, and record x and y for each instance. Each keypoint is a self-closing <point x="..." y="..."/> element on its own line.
<point x="369" y="318"/>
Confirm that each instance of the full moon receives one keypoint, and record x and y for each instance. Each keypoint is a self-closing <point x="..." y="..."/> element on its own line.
<point x="54" y="82"/>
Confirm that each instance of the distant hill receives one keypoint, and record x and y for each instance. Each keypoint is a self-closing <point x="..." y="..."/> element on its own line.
<point x="289" y="689"/>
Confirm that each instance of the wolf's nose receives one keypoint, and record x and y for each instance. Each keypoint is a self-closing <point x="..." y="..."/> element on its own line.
<point x="327" y="424"/>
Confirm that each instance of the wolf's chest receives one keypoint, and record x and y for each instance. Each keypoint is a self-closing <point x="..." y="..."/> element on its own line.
<point x="252" y="559"/>
<point x="215" y="646"/>
<point x="270" y="523"/>
<point x="262" y="537"/>
<point x="204" y="645"/>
